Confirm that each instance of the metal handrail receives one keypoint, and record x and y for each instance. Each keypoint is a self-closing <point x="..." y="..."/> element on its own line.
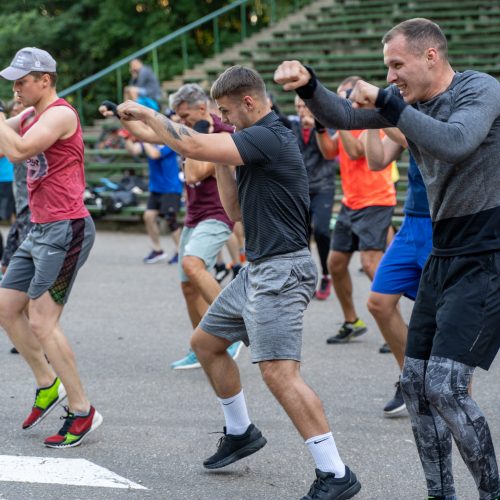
<point x="180" y="33"/>
<point x="168" y="38"/>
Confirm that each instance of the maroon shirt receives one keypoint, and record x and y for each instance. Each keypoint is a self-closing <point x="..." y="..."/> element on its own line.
<point x="202" y="199"/>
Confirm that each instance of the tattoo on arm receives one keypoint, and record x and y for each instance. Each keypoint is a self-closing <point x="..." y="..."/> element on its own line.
<point x="175" y="130"/>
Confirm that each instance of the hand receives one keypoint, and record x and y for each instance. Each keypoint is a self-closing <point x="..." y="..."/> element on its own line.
<point x="130" y="110"/>
<point x="105" y="111"/>
<point x="108" y="108"/>
<point x="292" y="75"/>
<point x="363" y="95"/>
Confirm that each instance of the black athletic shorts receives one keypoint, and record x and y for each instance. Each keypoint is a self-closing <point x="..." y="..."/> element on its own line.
<point x="363" y="229"/>
<point x="165" y="203"/>
<point x="457" y="310"/>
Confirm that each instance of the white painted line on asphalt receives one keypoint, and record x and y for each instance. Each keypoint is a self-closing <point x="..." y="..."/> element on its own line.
<point x="73" y="471"/>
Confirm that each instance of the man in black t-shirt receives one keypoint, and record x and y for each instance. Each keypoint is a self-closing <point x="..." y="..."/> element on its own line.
<point x="264" y="305"/>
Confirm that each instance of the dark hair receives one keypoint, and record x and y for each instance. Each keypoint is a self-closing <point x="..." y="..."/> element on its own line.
<point x="38" y="74"/>
<point x="420" y="34"/>
<point x="237" y="81"/>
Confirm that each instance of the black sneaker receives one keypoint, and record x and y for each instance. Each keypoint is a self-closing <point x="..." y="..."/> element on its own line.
<point x="231" y="448"/>
<point x="396" y="406"/>
<point x="221" y="271"/>
<point x="384" y="349"/>
<point x="326" y="487"/>
<point x="13" y="350"/>
<point x="347" y="331"/>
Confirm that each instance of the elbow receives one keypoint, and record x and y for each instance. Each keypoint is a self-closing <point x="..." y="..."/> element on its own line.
<point x="235" y="216"/>
<point x="355" y="156"/>
<point x="376" y="167"/>
<point x="17" y="158"/>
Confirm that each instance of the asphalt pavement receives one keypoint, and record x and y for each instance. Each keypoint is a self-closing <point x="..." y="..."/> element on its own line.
<point x="127" y="322"/>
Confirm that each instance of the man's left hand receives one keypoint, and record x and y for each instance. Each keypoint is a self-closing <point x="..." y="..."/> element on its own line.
<point x="130" y="110"/>
<point x="363" y="95"/>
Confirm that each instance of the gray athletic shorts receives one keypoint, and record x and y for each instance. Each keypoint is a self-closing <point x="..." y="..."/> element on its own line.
<point x="264" y="306"/>
<point x="50" y="257"/>
<point x="363" y="229"/>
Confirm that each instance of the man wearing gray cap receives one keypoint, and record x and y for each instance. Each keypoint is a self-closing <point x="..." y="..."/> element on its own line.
<point x="48" y="137"/>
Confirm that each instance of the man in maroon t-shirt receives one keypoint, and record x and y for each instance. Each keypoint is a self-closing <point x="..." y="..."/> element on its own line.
<point x="206" y="226"/>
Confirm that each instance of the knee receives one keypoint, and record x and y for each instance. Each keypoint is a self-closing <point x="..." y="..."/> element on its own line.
<point x="9" y="311"/>
<point x="274" y="376"/>
<point x="172" y="223"/>
<point x="192" y="266"/>
<point x="149" y="216"/>
<point x="408" y="383"/>
<point x="205" y="345"/>
<point x="38" y="328"/>
<point x="336" y="267"/>
<point x="377" y="307"/>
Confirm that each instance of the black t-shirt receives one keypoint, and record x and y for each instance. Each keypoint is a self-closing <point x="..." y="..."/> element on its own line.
<point x="273" y="190"/>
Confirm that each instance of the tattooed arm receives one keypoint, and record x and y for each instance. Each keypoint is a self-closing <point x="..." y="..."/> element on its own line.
<point x="216" y="148"/>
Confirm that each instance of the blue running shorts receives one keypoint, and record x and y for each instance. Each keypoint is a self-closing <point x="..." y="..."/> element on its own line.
<point x="401" y="266"/>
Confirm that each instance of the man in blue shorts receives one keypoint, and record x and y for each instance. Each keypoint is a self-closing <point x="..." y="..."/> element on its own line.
<point x="165" y="190"/>
<point x="401" y="266"/>
<point x="264" y="305"/>
<point x="451" y="121"/>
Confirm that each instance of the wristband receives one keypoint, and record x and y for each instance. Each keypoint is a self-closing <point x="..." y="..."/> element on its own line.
<point x="307" y="90"/>
<point x="390" y="105"/>
<point x="320" y="128"/>
<point x="110" y="106"/>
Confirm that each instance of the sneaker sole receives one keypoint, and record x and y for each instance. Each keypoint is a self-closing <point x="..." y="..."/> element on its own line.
<point x="59" y="400"/>
<point x="186" y="367"/>
<point x="397" y="412"/>
<point x="361" y="331"/>
<point x="345" y="340"/>
<point x="155" y="260"/>
<point x="352" y="491"/>
<point x="96" y="422"/>
<point x="247" y="450"/>
<point x="237" y="352"/>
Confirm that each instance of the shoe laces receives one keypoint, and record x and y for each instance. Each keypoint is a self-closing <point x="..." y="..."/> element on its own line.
<point x="319" y="485"/>
<point x="221" y="439"/>
<point x="69" y="419"/>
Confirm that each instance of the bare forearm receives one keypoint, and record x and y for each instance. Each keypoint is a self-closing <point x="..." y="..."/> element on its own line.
<point x="353" y="146"/>
<point x="328" y="146"/>
<point x="228" y="191"/>
<point x="11" y="144"/>
<point x="195" y="170"/>
<point x="177" y="136"/>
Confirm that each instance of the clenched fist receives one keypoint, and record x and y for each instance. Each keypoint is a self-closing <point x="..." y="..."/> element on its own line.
<point x="292" y="75"/>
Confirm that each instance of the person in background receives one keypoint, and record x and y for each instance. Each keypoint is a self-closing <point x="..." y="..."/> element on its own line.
<point x="165" y="190"/>
<point x="321" y="177"/>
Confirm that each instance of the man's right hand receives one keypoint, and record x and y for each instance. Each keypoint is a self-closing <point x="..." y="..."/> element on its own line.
<point x="292" y="75"/>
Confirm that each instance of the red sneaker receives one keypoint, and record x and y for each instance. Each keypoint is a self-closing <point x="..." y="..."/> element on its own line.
<point x="323" y="292"/>
<point x="75" y="428"/>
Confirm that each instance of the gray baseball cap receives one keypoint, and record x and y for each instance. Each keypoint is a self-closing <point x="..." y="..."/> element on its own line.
<point x="27" y="60"/>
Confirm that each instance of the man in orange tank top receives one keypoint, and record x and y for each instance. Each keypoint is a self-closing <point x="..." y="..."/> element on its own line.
<point x="48" y="137"/>
<point x="364" y="219"/>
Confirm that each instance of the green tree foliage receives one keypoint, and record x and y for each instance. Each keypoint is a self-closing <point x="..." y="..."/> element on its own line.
<point x="86" y="36"/>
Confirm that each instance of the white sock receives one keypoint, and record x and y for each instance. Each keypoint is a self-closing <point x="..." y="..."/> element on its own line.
<point x="326" y="455"/>
<point x="235" y="413"/>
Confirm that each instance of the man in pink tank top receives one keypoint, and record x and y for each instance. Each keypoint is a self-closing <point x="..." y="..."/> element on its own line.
<point x="48" y="137"/>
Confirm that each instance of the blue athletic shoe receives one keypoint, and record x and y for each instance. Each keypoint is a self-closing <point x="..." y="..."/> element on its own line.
<point x="174" y="259"/>
<point x="186" y="363"/>
<point x="234" y="349"/>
